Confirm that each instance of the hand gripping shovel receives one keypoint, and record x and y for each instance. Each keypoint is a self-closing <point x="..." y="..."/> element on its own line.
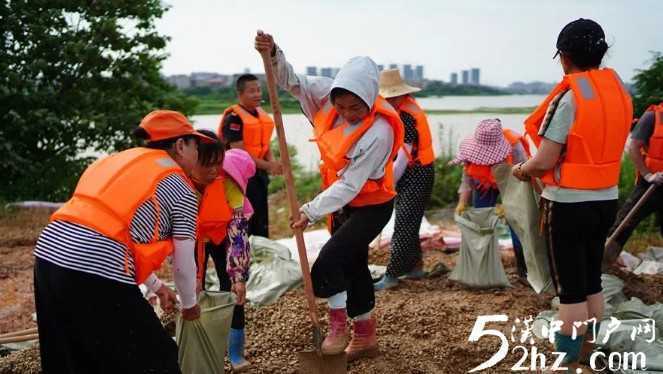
<point x="313" y="362"/>
<point x="612" y="249"/>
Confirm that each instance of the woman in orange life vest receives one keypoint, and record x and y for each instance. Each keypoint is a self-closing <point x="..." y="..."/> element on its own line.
<point x="358" y="134"/>
<point x="580" y="130"/>
<point x="129" y="212"/>
<point x="222" y="179"/>
<point x="414" y="174"/>
<point x="489" y="146"/>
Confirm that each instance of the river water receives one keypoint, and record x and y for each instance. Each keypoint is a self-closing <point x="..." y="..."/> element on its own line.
<point x="447" y="129"/>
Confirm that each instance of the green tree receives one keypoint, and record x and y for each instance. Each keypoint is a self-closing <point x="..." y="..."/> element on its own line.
<point x="648" y="85"/>
<point x="77" y="77"/>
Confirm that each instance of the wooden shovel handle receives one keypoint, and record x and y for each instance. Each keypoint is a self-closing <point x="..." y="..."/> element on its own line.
<point x="290" y="185"/>
<point x="632" y="212"/>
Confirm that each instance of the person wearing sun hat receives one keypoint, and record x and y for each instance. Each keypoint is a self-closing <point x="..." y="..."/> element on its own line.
<point x="490" y="145"/>
<point x="128" y="213"/>
<point x="414" y="174"/>
<point x="580" y="130"/>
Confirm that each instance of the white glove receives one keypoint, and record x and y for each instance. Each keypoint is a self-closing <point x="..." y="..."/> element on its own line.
<point x="655" y="178"/>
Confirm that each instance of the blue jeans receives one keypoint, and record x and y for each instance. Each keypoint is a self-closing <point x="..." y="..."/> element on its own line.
<point x="488" y="199"/>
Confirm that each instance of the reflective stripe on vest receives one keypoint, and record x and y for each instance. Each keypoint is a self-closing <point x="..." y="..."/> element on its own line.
<point x="256" y="131"/>
<point x="110" y="191"/>
<point x="654" y="152"/>
<point x="335" y="142"/>
<point x="595" y="142"/>
<point x="425" y="153"/>
<point x="214" y="215"/>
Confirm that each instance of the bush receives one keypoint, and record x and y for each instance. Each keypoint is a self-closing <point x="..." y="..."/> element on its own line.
<point x="307" y="183"/>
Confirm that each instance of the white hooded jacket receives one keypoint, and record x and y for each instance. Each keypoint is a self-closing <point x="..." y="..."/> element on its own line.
<point x="369" y="156"/>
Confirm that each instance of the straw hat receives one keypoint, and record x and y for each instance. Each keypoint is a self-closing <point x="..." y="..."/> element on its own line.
<point x="392" y="85"/>
<point x="488" y="146"/>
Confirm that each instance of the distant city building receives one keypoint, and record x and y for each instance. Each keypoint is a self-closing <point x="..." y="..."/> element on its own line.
<point x="419" y="73"/>
<point x="327" y="72"/>
<point x="453" y="79"/>
<point x="202" y="79"/>
<point x="408" y="73"/>
<point x="380" y="67"/>
<point x="531" y="88"/>
<point x="311" y="70"/>
<point x="180" y="81"/>
<point x="393" y="66"/>
<point x="466" y="77"/>
<point x="247" y="71"/>
<point x="474" y="76"/>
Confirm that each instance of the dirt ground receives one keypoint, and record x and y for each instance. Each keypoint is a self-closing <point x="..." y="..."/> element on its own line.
<point x="423" y="325"/>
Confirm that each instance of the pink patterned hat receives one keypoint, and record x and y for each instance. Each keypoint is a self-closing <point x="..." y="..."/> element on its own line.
<point x="488" y="146"/>
<point x="239" y="165"/>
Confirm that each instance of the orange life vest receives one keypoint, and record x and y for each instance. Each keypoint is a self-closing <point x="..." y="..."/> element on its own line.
<point x="654" y="152"/>
<point x="483" y="173"/>
<point x="110" y="191"/>
<point x="595" y="143"/>
<point x="334" y="144"/>
<point x="514" y="138"/>
<point x="425" y="154"/>
<point x="214" y="215"/>
<point x="256" y="131"/>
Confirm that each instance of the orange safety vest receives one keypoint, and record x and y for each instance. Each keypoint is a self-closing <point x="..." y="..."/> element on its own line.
<point x="514" y="138"/>
<point x="425" y="154"/>
<point x="595" y="143"/>
<point x="654" y="152"/>
<point x="483" y="173"/>
<point x="108" y="194"/>
<point x="214" y="215"/>
<point x="256" y="131"/>
<point x="334" y="144"/>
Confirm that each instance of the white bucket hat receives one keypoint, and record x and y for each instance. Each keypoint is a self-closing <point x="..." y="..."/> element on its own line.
<point x="392" y="85"/>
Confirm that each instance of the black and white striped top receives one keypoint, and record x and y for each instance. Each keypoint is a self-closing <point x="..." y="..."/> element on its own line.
<point x="80" y="248"/>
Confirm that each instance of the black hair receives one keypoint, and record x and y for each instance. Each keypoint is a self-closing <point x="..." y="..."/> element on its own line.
<point x="210" y="153"/>
<point x="164" y="144"/>
<point x="337" y="92"/>
<point x="241" y="81"/>
<point x="583" y="42"/>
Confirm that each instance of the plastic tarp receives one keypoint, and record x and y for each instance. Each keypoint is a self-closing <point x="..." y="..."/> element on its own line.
<point x="521" y="207"/>
<point x="314" y="240"/>
<point x="479" y="264"/>
<point x="632" y="314"/>
<point x="202" y="343"/>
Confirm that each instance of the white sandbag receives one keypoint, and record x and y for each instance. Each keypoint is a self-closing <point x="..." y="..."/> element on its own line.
<point x="479" y="264"/>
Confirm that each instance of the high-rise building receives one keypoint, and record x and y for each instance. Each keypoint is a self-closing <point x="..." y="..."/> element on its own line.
<point x="453" y="79"/>
<point x="465" y="77"/>
<point x="311" y="70"/>
<point x="393" y="66"/>
<point x="327" y="72"/>
<point x="408" y="73"/>
<point x="380" y="67"/>
<point x="419" y="73"/>
<point x="474" y="76"/>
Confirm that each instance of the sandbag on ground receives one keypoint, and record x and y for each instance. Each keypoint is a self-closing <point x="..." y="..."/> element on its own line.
<point x="521" y="206"/>
<point x="202" y="343"/>
<point x="479" y="264"/>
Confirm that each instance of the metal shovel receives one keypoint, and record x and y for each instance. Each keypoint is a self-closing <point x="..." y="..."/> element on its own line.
<point x="311" y="362"/>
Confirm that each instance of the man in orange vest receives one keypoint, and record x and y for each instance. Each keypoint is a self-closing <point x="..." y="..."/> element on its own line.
<point x="358" y="134"/>
<point x="580" y="130"/>
<point x="129" y="212"/>
<point x="247" y="126"/>
<point x="646" y="151"/>
<point x="414" y="173"/>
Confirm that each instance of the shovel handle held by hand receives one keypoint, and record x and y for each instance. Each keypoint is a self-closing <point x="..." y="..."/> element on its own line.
<point x="290" y="186"/>
<point x="643" y="199"/>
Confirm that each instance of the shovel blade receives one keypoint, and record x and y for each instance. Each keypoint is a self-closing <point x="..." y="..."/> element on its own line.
<point x="310" y="362"/>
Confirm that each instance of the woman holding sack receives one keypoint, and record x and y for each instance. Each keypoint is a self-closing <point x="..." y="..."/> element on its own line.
<point x="358" y="134"/>
<point x="580" y="130"/>
<point x="129" y="212"/>
<point x="414" y="173"/>
<point x="222" y="180"/>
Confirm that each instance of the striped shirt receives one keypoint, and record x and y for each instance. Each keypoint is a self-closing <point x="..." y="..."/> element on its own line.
<point x="77" y="247"/>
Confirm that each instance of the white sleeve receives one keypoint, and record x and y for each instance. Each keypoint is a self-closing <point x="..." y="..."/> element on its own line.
<point x="153" y="283"/>
<point x="400" y="164"/>
<point x="184" y="271"/>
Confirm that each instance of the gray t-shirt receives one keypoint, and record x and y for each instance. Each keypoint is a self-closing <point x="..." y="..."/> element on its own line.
<point x="557" y="131"/>
<point x="644" y="129"/>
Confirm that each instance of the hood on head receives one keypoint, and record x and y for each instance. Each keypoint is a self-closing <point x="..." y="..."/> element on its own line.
<point x="360" y="76"/>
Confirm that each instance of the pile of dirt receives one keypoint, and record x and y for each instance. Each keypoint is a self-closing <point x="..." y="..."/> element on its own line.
<point x="23" y="362"/>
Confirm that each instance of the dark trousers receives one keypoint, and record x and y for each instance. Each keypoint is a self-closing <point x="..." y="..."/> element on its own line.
<point x="414" y="190"/>
<point x="256" y="192"/>
<point x="218" y="254"/>
<point x="487" y="199"/>
<point x="89" y="324"/>
<point x="342" y="264"/>
<point x="653" y="205"/>
<point x="576" y="233"/>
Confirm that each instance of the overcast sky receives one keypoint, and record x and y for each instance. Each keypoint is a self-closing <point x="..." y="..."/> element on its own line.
<point x="508" y="39"/>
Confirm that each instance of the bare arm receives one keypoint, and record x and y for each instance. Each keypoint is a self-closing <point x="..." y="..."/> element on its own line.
<point x="635" y="152"/>
<point x="545" y="159"/>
